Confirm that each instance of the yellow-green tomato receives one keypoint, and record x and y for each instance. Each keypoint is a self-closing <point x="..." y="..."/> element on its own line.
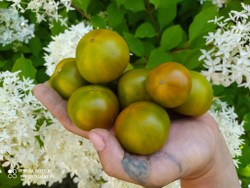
<point x="66" y="78"/>
<point x="113" y="85"/>
<point x="142" y="127"/>
<point x="93" y="106"/>
<point x="132" y="87"/>
<point x="200" y="98"/>
<point x="101" y="56"/>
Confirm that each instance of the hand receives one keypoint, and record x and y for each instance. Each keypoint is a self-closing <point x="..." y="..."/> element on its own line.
<point x="194" y="152"/>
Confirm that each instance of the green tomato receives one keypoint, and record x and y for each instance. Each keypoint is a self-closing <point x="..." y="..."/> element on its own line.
<point x="66" y="78"/>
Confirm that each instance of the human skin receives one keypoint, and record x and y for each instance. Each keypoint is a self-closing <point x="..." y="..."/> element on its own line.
<point x="195" y="151"/>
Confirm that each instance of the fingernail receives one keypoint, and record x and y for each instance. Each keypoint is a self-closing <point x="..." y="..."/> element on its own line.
<point x="97" y="141"/>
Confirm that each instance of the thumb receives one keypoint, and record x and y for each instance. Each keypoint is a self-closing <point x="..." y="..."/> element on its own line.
<point x="110" y="152"/>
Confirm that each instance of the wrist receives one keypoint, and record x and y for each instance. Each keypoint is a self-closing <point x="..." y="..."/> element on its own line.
<point x="219" y="173"/>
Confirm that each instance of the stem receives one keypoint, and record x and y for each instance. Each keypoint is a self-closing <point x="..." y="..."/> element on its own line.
<point x="81" y="12"/>
<point x="153" y="21"/>
<point x="177" y="50"/>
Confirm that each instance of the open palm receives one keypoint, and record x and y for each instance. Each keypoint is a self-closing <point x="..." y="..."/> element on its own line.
<point x="191" y="150"/>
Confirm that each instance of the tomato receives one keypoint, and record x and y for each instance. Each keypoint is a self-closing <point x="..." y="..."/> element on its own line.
<point x="93" y="106"/>
<point x="200" y="98"/>
<point x="142" y="127"/>
<point x="169" y="84"/>
<point x="113" y="85"/>
<point x="66" y="78"/>
<point x="132" y="87"/>
<point x="101" y="56"/>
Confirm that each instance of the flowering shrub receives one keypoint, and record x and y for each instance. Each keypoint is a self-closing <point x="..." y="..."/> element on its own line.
<point x="14" y="28"/>
<point x="228" y="61"/>
<point x="36" y="35"/>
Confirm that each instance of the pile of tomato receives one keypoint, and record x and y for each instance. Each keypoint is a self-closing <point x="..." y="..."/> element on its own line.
<point x="104" y="91"/>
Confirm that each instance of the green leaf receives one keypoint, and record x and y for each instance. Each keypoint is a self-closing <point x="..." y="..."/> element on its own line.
<point x="245" y="171"/>
<point x="246" y="119"/>
<point x="244" y="158"/>
<point x="184" y="40"/>
<point x="179" y="56"/>
<point x="247" y="179"/>
<point x="134" y="17"/>
<point x="140" y="63"/>
<point x="115" y="15"/>
<point x="145" y="30"/>
<point x="171" y="37"/>
<point x="198" y="41"/>
<point x="9" y="182"/>
<point x="35" y="45"/>
<point x="148" y="46"/>
<point x="41" y="76"/>
<point x="232" y="5"/>
<point x="6" y="47"/>
<point x="4" y="4"/>
<point x="207" y="4"/>
<point x="81" y="4"/>
<point x="3" y="176"/>
<point x="26" y="67"/>
<point x="98" y="22"/>
<point x="157" y="57"/>
<point x="166" y="15"/>
<point x="134" y="5"/>
<point x="25" y="49"/>
<point x="164" y="3"/>
<point x="191" y="59"/>
<point x="2" y="61"/>
<point x="155" y="3"/>
<point x="230" y="96"/>
<point x="119" y="2"/>
<point x="168" y="3"/>
<point x="57" y="25"/>
<point x="218" y="89"/>
<point x="122" y="27"/>
<point x="36" y="61"/>
<point x="135" y="45"/>
<point x="200" y="24"/>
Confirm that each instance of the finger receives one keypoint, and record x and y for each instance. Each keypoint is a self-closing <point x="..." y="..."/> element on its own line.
<point x="57" y="106"/>
<point x="110" y="152"/>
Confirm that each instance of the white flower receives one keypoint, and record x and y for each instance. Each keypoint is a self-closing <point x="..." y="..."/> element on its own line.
<point x="231" y="45"/>
<point x="219" y="3"/>
<point x="14" y="28"/>
<point x="44" y="9"/>
<point x="64" y="46"/>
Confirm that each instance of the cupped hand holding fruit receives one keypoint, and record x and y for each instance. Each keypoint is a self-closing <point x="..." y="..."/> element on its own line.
<point x="194" y="152"/>
<point x="191" y="149"/>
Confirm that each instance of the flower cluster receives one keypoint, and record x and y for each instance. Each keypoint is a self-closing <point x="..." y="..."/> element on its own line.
<point x="64" y="45"/>
<point x="14" y="28"/>
<point x="229" y="126"/>
<point x="219" y="3"/>
<point x="228" y="61"/>
<point x="44" y="9"/>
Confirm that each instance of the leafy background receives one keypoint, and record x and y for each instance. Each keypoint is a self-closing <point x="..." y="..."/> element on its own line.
<point x="156" y="31"/>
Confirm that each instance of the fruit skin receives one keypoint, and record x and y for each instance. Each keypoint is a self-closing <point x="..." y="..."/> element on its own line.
<point x="131" y="87"/>
<point x="93" y="106"/>
<point x="113" y="85"/>
<point x="200" y="98"/>
<point x="169" y="84"/>
<point x="142" y="127"/>
<point x="66" y="78"/>
<point x="101" y="56"/>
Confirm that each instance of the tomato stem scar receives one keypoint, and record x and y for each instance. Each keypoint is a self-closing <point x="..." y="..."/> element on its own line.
<point x="161" y="82"/>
